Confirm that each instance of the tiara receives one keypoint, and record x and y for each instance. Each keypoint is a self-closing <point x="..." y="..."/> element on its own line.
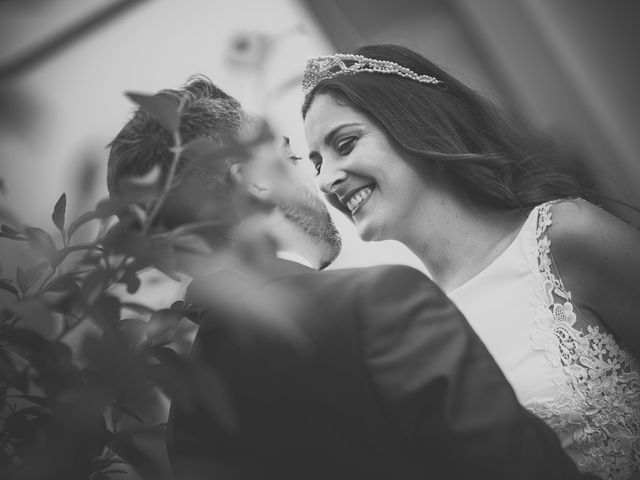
<point x="329" y="66"/>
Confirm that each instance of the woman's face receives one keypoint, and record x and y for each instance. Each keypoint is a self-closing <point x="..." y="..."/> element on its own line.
<point x="363" y="174"/>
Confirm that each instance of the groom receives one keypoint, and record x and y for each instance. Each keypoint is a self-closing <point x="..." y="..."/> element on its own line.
<point x="339" y="374"/>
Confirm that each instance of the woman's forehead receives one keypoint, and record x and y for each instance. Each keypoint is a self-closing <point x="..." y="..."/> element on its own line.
<point x="327" y="113"/>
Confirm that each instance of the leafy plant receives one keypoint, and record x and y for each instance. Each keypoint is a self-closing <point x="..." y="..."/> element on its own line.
<point x="83" y="372"/>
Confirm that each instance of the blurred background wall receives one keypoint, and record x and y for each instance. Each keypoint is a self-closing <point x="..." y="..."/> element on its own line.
<point x="571" y="67"/>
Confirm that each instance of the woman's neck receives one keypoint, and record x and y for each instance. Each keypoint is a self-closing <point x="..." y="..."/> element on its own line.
<point x="465" y="240"/>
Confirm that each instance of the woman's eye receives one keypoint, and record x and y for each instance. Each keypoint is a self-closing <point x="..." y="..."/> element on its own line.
<point x="295" y="159"/>
<point x="345" y="145"/>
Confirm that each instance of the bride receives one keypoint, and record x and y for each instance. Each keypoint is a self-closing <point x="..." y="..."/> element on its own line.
<point x="549" y="281"/>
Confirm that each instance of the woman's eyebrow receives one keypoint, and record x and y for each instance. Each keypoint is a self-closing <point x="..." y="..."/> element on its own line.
<point x="329" y="136"/>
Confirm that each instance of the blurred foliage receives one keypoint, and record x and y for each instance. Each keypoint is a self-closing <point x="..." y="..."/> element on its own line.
<point x="85" y="374"/>
<point x="19" y="112"/>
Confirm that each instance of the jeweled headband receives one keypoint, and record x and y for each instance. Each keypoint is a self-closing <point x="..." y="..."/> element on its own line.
<point x="329" y="66"/>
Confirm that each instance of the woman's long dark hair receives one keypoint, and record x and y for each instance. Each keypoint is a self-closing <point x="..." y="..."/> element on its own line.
<point x="478" y="145"/>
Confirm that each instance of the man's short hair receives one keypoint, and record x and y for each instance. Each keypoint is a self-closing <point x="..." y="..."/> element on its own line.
<point x="144" y="144"/>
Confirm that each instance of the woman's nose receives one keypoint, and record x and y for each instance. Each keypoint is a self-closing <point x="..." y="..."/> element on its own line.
<point x="330" y="179"/>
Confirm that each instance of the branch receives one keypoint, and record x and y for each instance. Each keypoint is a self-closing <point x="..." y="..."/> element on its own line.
<point x="177" y="152"/>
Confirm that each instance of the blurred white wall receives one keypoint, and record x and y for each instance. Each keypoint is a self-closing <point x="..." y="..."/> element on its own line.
<point x="78" y="105"/>
<point x="570" y="67"/>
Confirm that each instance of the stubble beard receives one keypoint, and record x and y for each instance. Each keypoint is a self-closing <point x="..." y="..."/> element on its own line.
<point x="312" y="217"/>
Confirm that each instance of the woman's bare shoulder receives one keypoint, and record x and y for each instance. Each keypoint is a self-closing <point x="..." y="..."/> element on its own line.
<point x="598" y="259"/>
<point x="577" y="223"/>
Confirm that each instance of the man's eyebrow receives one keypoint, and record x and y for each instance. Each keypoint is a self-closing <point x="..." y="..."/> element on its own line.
<point x="329" y="137"/>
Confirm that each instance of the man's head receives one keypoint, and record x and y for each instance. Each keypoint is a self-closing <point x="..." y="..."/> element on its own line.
<point x="269" y="178"/>
<point x="298" y="218"/>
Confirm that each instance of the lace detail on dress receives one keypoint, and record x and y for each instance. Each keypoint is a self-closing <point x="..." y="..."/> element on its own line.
<point x="597" y="410"/>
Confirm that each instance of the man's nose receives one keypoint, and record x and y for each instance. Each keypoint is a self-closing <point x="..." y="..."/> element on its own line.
<point x="330" y="179"/>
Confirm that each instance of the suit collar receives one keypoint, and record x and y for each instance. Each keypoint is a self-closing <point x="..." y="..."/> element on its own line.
<point x="273" y="269"/>
<point x="294" y="257"/>
<point x="284" y="267"/>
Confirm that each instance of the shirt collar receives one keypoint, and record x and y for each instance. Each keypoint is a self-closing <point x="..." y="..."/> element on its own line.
<point x="294" y="257"/>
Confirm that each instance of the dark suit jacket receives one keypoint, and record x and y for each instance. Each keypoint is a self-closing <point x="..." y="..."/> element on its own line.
<point x="388" y="382"/>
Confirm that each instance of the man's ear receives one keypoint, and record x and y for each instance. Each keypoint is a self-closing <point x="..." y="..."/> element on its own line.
<point x="243" y="176"/>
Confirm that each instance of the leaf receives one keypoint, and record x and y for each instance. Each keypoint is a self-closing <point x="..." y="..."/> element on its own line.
<point x="8" y="230"/>
<point x="35" y="316"/>
<point x="138" y="308"/>
<point x="179" y="305"/>
<point x="260" y="133"/>
<point x="144" y="250"/>
<point x="106" y="310"/>
<point x="64" y="294"/>
<point x="148" y="180"/>
<point x="79" y="411"/>
<point x="26" y="278"/>
<point x="21" y="280"/>
<point x="32" y="308"/>
<point x="137" y="448"/>
<point x="118" y="205"/>
<point x="58" y="215"/>
<point x="134" y="331"/>
<point x="163" y="320"/>
<point x="108" y="207"/>
<point x="127" y="242"/>
<point x="25" y="340"/>
<point x="111" y="206"/>
<point x="12" y="237"/>
<point x="118" y="471"/>
<point x="101" y="476"/>
<point x="81" y="220"/>
<point x="36" y="411"/>
<point x="5" y="285"/>
<point x="63" y="284"/>
<point x="192" y="244"/>
<point x="188" y="310"/>
<point x="36" y="270"/>
<point x="16" y="425"/>
<point x="200" y="149"/>
<point x="23" y="382"/>
<point x="95" y="283"/>
<point x="40" y="241"/>
<point x="131" y="280"/>
<point x="161" y="109"/>
<point x="41" y="401"/>
<point x="163" y="258"/>
<point x="61" y="353"/>
<point x="8" y="372"/>
<point x="118" y="406"/>
<point x="167" y="356"/>
<point x="102" y="463"/>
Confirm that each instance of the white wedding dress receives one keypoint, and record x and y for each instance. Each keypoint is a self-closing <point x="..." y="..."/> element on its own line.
<point x="569" y="372"/>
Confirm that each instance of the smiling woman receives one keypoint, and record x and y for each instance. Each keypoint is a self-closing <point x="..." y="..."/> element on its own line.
<point x="355" y="144"/>
<point x="409" y="153"/>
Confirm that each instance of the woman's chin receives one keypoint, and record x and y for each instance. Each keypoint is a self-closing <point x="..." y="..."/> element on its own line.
<point x="367" y="232"/>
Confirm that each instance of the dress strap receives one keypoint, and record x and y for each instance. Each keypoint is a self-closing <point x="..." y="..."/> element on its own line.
<point x="552" y="283"/>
